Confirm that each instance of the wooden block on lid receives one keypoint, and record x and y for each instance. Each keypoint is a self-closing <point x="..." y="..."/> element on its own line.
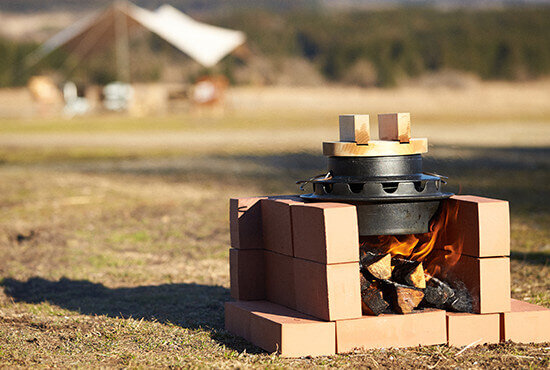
<point x="355" y="127"/>
<point x="395" y="127"/>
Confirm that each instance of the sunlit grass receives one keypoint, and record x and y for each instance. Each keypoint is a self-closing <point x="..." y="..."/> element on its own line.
<point x="123" y="260"/>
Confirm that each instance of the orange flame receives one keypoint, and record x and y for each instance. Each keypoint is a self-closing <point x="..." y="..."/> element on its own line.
<point x="439" y="249"/>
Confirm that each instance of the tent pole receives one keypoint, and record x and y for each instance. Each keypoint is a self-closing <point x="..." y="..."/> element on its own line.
<point x="122" y="43"/>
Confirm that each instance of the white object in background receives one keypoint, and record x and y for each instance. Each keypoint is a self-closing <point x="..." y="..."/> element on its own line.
<point x="118" y="96"/>
<point x="204" y="43"/>
<point x="204" y="92"/>
<point x="74" y="104"/>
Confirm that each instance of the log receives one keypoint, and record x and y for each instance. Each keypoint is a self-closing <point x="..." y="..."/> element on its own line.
<point x="441" y="295"/>
<point x="403" y="299"/>
<point x="377" y="265"/>
<point x="372" y="300"/>
<point x="461" y="301"/>
<point x="437" y="293"/>
<point x="408" y="272"/>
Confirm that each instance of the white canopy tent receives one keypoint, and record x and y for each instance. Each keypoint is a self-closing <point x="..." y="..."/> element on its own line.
<point x="204" y="43"/>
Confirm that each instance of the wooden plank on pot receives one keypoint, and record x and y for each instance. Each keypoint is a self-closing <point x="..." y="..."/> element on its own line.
<point x="374" y="148"/>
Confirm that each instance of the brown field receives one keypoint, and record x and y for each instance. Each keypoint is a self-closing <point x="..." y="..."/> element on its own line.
<point x="114" y="230"/>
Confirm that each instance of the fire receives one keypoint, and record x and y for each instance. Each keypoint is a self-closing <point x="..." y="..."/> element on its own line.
<point x="438" y="249"/>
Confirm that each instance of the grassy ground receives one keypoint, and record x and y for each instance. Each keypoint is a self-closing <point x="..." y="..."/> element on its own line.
<point x="115" y="253"/>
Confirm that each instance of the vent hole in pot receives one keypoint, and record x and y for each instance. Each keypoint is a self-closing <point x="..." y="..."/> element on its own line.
<point x="328" y="188"/>
<point x="390" y="187"/>
<point x="356" y="187"/>
<point x="419" y="185"/>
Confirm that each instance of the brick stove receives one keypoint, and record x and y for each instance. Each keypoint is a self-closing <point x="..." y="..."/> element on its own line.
<point x="295" y="264"/>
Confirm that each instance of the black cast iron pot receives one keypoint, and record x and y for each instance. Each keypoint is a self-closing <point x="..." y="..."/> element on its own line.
<point x="392" y="194"/>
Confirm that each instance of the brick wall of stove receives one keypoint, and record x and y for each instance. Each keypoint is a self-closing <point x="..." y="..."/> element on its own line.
<point x="304" y="256"/>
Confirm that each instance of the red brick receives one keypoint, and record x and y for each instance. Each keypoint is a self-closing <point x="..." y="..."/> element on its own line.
<point x="279" y="279"/>
<point x="487" y="279"/>
<point x="525" y="323"/>
<point x="277" y="224"/>
<point x="237" y="318"/>
<point x="247" y="274"/>
<point x="466" y="328"/>
<point x="245" y="223"/>
<point x="279" y="329"/>
<point x="427" y="327"/>
<point x="325" y="232"/>
<point x="328" y="292"/>
<point x="482" y="224"/>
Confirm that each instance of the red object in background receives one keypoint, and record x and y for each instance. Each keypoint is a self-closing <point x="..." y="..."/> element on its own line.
<point x="209" y="90"/>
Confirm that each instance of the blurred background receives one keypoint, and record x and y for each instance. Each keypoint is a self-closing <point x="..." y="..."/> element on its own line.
<point x="313" y="43"/>
<point x="126" y="127"/>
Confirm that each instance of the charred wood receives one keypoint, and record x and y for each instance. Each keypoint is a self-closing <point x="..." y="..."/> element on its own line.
<point x="437" y="293"/>
<point x="372" y="300"/>
<point x="462" y="300"/>
<point x="441" y="295"/>
<point x="408" y="272"/>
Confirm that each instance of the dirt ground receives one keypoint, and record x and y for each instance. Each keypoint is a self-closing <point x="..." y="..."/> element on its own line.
<point x="114" y="231"/>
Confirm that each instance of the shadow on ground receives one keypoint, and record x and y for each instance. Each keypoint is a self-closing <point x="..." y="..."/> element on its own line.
<point x="190" y="306"/>
<point x="531" y="258"/>
<point x="518" y="174"/>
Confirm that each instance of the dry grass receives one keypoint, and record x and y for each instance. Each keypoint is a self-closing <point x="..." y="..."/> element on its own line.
<point x="116" y="255"/>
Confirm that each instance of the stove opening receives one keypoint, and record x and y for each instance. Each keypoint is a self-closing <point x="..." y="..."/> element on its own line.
<point x="402" y="273"/>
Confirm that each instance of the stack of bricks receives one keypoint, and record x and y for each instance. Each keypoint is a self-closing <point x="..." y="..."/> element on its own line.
<point x="295" y="280"/>
<point x="294" y="269"/>
<point x="482" y="227"/>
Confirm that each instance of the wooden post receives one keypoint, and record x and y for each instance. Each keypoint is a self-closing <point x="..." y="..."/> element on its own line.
<point x="122" y="43"/>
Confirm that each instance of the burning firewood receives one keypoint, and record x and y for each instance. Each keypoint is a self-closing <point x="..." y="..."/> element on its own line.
<point x="403" y="298"/>
<point x="372" y="300"/>
<point x="441" y="295"/>
<point x="408" y="272"/>
<point x="402" y="285"/>
<point x="378" y="265"/>
<point x="437" y="293"/>
<point x="462" y="300"/>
